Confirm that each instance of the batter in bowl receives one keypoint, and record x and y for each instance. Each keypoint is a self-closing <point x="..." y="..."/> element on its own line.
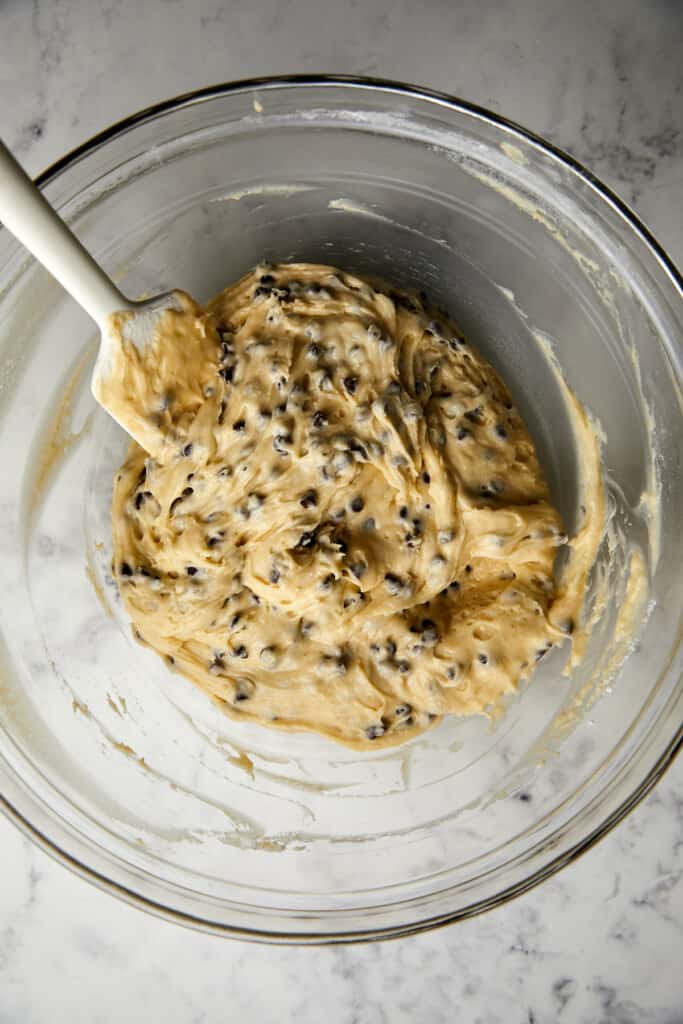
<point x="347" y="529"/>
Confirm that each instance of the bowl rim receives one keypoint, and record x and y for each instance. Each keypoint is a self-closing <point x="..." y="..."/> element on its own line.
<point x="667" y="756"/>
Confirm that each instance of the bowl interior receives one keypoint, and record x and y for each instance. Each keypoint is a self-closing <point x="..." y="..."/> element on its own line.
<point x="127" y="768"/>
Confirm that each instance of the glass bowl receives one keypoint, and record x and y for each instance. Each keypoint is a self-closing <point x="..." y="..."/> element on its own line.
<point x="125" y="771"/>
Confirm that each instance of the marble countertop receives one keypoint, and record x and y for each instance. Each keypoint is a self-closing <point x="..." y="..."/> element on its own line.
<point x="601" y="941"/>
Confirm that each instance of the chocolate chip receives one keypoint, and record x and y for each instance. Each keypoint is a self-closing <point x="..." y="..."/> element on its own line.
<point x="240" y="652"/>
<point x="227" y="373"/>
<point x="483" y="658"/>
<point x="191" y="570"/>
<point x="402" y="709"/>
<point x="327" y="581"/>
<point x="393" y="583"/>
<point x="307" y="539"/>
<point x="244" y="690"/>
<point x="238" y="425"/>
<point x="309" y="499"/>
<point x="351" y="383"/>
<point x="125" y="569"/>
<point x="357" y="504"/>
<point x="492" y="489"/>
<point x="426" y="478"/>
<point x="403" y="512"/>
<point x="281" y="442"/>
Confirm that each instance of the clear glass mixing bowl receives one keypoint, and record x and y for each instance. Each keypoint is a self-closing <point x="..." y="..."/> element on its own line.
<point x="129" y="774"/>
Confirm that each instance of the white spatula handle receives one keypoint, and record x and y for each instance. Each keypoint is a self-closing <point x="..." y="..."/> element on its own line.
<point x="31" y="219"/>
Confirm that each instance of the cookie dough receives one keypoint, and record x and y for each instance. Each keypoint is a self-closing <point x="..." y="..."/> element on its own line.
<point x="347" y="530"/>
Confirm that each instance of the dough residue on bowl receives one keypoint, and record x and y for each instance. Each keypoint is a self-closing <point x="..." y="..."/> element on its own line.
<point x="348" y="530"/>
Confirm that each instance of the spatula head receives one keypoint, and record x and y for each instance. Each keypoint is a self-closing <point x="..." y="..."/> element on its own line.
<point x="150" y="355"/>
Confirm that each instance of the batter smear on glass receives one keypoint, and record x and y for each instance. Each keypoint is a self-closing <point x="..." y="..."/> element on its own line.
<point x="346" y="528"/>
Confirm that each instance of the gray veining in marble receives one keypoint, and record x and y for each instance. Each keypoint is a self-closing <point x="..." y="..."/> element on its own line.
<point x="603" y="940"/>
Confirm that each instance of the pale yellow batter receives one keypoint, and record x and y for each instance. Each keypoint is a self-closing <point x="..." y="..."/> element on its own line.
<point x="347" y="529"/>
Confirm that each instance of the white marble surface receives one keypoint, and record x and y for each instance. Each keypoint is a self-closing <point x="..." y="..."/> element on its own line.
<point x="602" y="941"/>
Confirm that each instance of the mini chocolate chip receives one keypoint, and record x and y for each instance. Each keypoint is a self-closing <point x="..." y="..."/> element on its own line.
<point x="501" y="431"/>
<point x="309" y="499"/>
<point x="468" y="569"/>
<point x="426" y="478"/>
<point x="187" y="450"/>
<point x="243" y="690"/>
<point x="191" y="570"/>
<point x="125" y="569"/>
<point x="350" y="383"/>
<point x="327" y="581"/>
<point x="267" y="279"/>
<point x="307" y="539"/>
<point x="240" y="652"/>
<point x="483" y="658"/>
<point x="357" y="504"/>
<point x="227" y="373"/>
<point x="281" y="442"/>
<point x="238" y="425"/>
<point x="430" y="635"/>
<point x="402" y="709"/>
<point x="403" y="512"/>
<point x="314" y="351"/>
<point x="139" y="499"/>
<point x="393" y="583"/>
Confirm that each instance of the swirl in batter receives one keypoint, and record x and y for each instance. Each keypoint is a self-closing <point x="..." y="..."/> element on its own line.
<point x="346" y="528"/>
